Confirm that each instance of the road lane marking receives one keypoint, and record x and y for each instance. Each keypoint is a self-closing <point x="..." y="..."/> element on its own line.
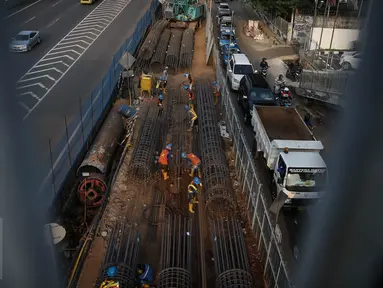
<point x="53" y="23"/>
<point x="43" y="70"/>
<point x="31" y="94"/>
<point x="22" y="104"/>
<point x="38" y="77"/>
<point x="21" y="10"/>
<point x="57" y="3"/>
<point x="86" y="33"/>
<point x="29" y="20"/>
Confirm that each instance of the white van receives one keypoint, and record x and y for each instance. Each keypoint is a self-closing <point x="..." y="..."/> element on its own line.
<point x="238" y="66"/>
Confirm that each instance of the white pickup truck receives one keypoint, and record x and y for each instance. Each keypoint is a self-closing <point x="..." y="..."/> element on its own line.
<point x="291" y="153"/>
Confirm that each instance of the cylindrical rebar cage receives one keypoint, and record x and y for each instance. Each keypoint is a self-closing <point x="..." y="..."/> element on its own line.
<point x="172" y="55"/>
<point x="158" y="59"/>
<point x="121" y="253"/>
<point x="149" y="46"/>
<point x="187" y="49"/>
<point x="219" y="194"/>
<point x="144" y="152"/>
<point x="231" y="262"/>
<point x="176" y="254"/>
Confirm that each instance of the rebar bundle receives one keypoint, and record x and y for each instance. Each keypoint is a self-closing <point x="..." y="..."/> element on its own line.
<point x="187" y="49"/>
<point x="122" y="253"/>
<point x="158" y="59"/>
<point x="144" y="151"/>
<point x="149" y="46"/>
<point x="231" y="263"/>
<point x="176" y="254"/>
<point x="174" y="49"/>
<point x="219" y="195"/>
<point x="179" y="130"/>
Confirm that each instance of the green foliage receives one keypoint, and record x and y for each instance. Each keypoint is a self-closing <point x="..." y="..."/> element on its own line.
<point x="281" y="8"/>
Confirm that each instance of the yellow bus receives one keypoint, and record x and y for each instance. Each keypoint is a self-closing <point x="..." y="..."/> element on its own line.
<point x="87" y="1"/>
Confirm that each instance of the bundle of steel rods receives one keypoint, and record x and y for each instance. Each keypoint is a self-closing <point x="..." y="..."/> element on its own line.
<point x="176" y="254"/>
<point x="231" y="263"/>
<point x="174" y="50"/>
<point x="158" y="59"/>
<point x="219" y="195"/>
<point x="121" y="253"/>
<point x="144" y="152"/>
<point x="149" y="46"/>
<point x="187" y="49"/>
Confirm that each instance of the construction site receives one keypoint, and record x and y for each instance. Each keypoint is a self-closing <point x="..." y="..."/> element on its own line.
<point x="123" y="215"/>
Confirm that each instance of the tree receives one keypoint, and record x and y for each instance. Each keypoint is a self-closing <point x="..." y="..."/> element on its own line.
<point x="282" y="8"/>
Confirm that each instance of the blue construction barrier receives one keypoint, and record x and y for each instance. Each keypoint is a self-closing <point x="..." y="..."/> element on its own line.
<point x="66" y="153"/>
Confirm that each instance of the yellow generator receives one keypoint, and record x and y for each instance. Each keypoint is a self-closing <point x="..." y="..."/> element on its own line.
<point x="146" y="84"/>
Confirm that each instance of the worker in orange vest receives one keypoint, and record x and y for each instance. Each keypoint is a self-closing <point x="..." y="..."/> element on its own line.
<point x="163" y="160"/>
<point x="194" y="162"/>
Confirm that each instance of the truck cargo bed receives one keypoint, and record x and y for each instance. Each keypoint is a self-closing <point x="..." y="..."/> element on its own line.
<point x="283" y="123"/>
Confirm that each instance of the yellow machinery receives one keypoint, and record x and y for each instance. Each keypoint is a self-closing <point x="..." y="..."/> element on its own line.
<point x="146" y="84"/>
<point x="87" y="1"/>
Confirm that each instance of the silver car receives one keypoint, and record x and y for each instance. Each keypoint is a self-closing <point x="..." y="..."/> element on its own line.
<point x="25" y="41"/>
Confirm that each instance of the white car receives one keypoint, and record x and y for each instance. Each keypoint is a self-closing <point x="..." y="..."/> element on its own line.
<point x="238" y="66"/>
<point x="350" y="60"/>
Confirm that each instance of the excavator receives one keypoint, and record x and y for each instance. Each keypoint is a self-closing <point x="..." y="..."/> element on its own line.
<point x="183" y="10"/>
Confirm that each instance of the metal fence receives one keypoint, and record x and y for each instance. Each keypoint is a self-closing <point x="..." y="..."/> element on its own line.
<point x="325" y="81"/>
<point x="64" y="155"/>
<point x="278" y="25"/>
<point x="262" y="222"/>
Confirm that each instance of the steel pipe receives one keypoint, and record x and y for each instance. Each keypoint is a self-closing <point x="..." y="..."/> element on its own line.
<point x="158" y="59"/>
<point x="231" y="262"/>
<point x="122" y="253"/>
<point x="187" y="49"/>
<point x="173" y="52"/>
<point x="144" y="152"/>
<point x="91" y="190"/>
<point x="100" y="154"/>
<point x="176" y="253"/>
<point x="219" y="194"/>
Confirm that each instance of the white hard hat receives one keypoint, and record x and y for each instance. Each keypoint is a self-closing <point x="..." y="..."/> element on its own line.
<point x="286" y="89"/>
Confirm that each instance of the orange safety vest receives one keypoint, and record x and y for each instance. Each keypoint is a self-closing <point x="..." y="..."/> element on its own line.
<point x="193" y="159"/>
<point x="164" y="157"/>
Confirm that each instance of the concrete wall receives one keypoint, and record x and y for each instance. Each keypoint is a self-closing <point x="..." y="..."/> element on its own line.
<point x="342" y="40"/>
<point x="341" y="22"/>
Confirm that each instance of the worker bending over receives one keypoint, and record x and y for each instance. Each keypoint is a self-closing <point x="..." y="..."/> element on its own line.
<point x="110" y="282"/>
<point x="193" y="117"/>
<point x="217" y="93"/>
<point x="194" y="162"/>
<point x="145" y="275"/>
<point x="193" y="192"/>
<point x="163" y="160"/>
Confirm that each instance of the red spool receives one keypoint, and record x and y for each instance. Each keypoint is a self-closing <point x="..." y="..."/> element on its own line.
<point x="91" y="190"/>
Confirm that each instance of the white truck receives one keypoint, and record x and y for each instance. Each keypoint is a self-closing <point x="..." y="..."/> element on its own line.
<point x="299" y="173"/>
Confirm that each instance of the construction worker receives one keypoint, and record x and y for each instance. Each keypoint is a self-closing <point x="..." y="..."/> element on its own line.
<point x="163" y="160"/>
<point x="193" y="192"/>
<point x="190" y="89"/>
<point x="145" y="275"/>
<point x="160" y="99"/>
<point x="217" y="93"/>
<point x="193" y="117"/>
<point x="111" y="272"/>
<point x="161" y="84"/>
<point x="194" y="162"/>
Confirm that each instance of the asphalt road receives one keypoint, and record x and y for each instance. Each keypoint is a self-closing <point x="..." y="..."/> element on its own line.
<point x="289" y="220"/>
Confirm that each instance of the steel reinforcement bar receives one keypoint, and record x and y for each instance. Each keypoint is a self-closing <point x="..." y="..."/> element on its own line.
<point x="231" y="263"/>
<point x="149" y="46"/>
<point x="174" y="49"/>
<point x="122" y="253"/>
<point x="144" y="152"/>
<point x="158" y="59"/>
<point x="187" y="49"/>
<point x="179" y="131"/>
<point x="176" y="253"/>
<point x="219" y="194"/>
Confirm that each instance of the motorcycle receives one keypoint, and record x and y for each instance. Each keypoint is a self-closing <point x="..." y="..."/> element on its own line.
<point x="285" y="100"/>
<point x="294" y="72"/>
<point x="264" y="72"/>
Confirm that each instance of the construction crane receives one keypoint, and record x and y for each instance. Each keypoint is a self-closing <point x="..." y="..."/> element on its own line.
<point x="183" y="10"/>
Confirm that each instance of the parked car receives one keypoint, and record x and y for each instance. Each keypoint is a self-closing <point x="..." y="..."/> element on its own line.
<point x="225" y="21"/>
<point x="224" y="10"/>
<point x="226" y="37"/>
<point x="238" y="66"/>
<point x="25" y="41"/>
<point x="228" y="50"/>
<point x="350" y="60"/>
<point x="254" y="90"/>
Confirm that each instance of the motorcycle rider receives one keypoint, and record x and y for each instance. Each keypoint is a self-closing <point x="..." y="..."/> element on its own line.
<point x="264" y="65"/>
<point x="279" y="83"/>
<point x="286" y="94"/>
